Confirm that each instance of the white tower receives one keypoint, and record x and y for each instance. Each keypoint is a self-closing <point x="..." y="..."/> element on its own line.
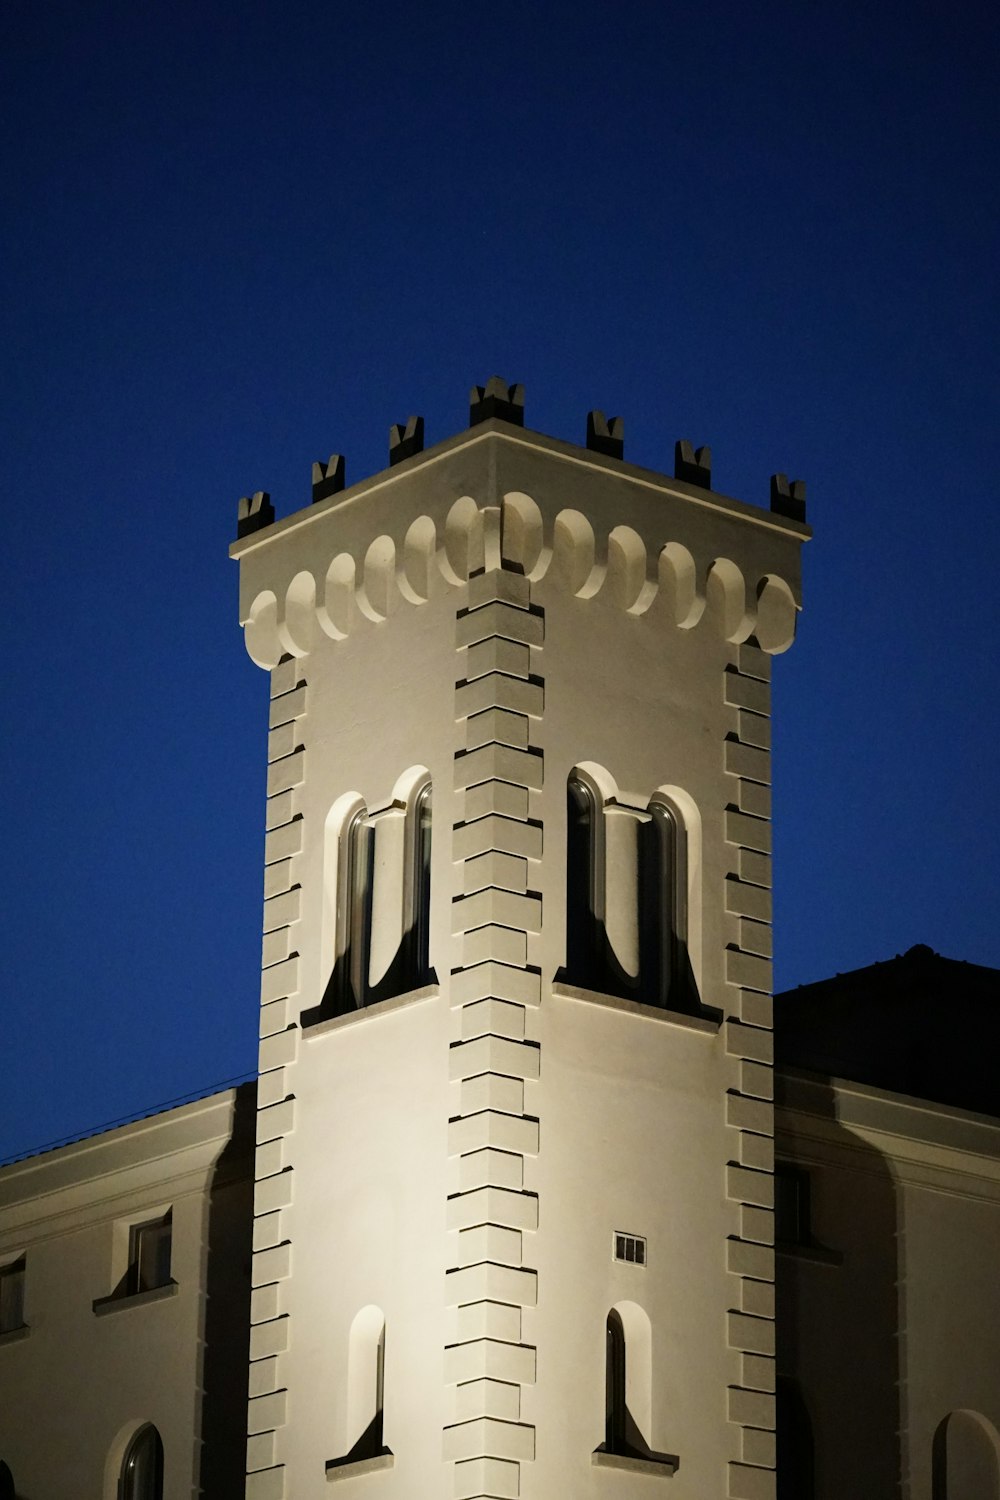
<point x="514" y="1201"/>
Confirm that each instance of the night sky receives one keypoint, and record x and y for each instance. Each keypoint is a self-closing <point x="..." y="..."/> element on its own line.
<point x="237" y="237"/>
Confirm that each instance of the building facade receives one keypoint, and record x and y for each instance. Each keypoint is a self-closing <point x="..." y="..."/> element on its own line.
<point x="514" y="1202"/>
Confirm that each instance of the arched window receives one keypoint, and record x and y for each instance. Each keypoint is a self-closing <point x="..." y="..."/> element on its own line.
<point x="142" y="1467"/>
<point x="378" y="886"/>
<point x="354" y="915"/>
<point x="665" y="966"/>
<point x="365" y="1391"/>
<point x="795" y="1479"/>
<point x="615" y="1409"/>
<point x="627" y="894"/>
<point x="966" y="1458"/>
<point x="584" y="879"/>
<point x="417" y="886"/>
<point x="7" y="1491"/>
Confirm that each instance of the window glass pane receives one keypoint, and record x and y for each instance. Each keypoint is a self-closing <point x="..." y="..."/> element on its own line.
<point x="791" y="1205"/>
<point x="142" y="1471"/>
<point x="12" y="1297"/>
<point x="149" y="1256"/>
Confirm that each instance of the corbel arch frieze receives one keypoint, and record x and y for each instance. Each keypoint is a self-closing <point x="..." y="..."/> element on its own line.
<point x="564" y="548"/>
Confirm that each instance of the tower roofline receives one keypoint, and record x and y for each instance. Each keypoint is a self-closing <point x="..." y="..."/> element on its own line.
<point x="496" y="429"/>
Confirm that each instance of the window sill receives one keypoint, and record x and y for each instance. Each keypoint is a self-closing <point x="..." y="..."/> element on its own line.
<point x="14" y="1335"/>
<point x="818" y="1254"/>
<point x="657" y="1464"/>
<point x="708" y="1023"/>
<point x="117" y="1303"/>
<point x="339" y="1468"/>
<point x="369" y="1012"/>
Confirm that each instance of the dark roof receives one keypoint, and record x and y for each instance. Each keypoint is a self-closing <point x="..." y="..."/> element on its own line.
<point x="917" y="1024"/>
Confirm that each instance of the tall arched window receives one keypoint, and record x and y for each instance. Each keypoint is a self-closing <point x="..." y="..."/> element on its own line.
<point x="584" y="878"/>
<point x="354" y="914"/>
<point x="7" y="1491"/>
<point x="378" y="889"/>
<point x="627" y="894"/>
<point x="667" y="979"/>
<point x="615" y="1409"/>
<point x="417" y="886"/>
<point x="365" y="1391"/>
<point x="142" y="1467"/>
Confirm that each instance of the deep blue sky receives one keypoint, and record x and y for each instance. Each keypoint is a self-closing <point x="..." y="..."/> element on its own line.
<point x="239" y="236"/>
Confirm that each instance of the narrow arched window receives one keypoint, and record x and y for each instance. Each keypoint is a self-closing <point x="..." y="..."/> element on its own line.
<point x="584" y="879"/>
<point x="378" y="891"/>
<point x="7" y="1491"/>
<point x="666" y="975"/>
<point x="142" y="1467"/>
<point x="417" y="888"/>
<point x="365" y="1392"/>
<point x="615" y="1409"/>
<point x="795" y="1479"/>
<point x="355" y="915"/>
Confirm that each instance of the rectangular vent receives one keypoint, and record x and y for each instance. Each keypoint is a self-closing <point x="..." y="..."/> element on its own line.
<point x="631" y="1248"/>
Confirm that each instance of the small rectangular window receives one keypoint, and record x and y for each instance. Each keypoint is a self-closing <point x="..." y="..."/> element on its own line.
<point x="12" y="1296"/>
<point x="791" y="1205"/>
<point x="148" y="1255"/>
<point x="630" y="1248"/>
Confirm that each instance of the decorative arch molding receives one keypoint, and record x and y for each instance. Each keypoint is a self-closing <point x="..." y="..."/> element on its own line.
<point x="357" y="592"/>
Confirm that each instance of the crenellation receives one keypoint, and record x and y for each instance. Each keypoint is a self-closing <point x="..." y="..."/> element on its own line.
<point x="605" y="434"/>
<point x="329" y="478"/>
<point x="693" y="465"/>
<point x="254" y="512"/>
<point x="496" y="399"/>
<point x="406" y="440"/>
<point x="788" y="498"/>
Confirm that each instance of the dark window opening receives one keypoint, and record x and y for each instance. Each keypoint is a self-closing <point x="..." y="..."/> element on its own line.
<point x="142" y="1467"/>
<point x="149" y="1255"/>
<point x="616" y="1420"/>
<point x="795" y="1462"/>
<point x="644" y="908"/>
<point x="350" y="985"/>
<point x="630" y="1248"/>
<point x="12" y="1295"/>
<point x="791" y="1205"/>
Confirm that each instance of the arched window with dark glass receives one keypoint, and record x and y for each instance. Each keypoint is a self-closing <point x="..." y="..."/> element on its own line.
<point x="665" y="967"/>
<point x="357" y="849"/>
<point x="142" y="1467"/>
<point x="7" y="1491"/>
<point x="584" y="882"/>
<point x="379" y="898"/>
<point x="615" y="1408"/>
<point x="417" y="888"/>
<point x="795" y="1463"/>
<point x="627" y="896"/>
